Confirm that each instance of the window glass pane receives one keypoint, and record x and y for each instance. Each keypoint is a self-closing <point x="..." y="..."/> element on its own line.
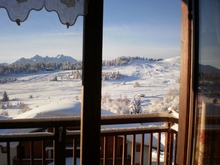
<point x="141" y="56"/>
<point x="141" y="62"/>
<point x="207" y="138"/>
<point x="40" y="70"/>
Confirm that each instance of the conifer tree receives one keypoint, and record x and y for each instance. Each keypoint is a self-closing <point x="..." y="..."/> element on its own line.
<point x="135" y="106"/>
<point x="5" y="96"/>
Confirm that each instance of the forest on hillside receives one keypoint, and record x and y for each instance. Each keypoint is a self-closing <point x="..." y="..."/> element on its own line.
<point x="27" y="68"/>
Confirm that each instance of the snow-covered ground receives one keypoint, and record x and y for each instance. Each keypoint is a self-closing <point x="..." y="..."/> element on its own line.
<point x="156" y="79"/>
<point x="35" y="95"/>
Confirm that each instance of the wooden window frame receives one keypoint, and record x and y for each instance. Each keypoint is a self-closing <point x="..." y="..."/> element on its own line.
<point x="91" y="84"/>
<point x="189" y="27"/>
<point x="92" y="46"/>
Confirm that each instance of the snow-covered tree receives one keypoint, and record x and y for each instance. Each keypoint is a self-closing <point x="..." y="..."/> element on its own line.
<point x="5" y="96"/>
<point x="170" y="100"/>
<point x="119" y="105"/>
<point x="135" y="106"/>
<point x="136" y="84"/>
<point x="54" y="78"/>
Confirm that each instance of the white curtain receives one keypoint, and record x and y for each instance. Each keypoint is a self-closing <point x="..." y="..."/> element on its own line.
<point x="67" y="10"/>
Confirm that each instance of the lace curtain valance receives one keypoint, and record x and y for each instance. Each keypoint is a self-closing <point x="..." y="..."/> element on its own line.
<point x="67" y="10"/>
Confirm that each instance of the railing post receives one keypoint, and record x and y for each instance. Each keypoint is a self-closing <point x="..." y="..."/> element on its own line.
<point x="114" y="150"/>
<point x="133" y="149"/>
<point x="105" y="154"/>
<point x="8" y="153"/>
<point x="150" y="149"/>
<point x="32" y="152"/>
<point x="20" y="153"/>
<point x="124" y="152"/>
<point x="60" y="146"/>
<point x="142" y="149"/>
<point x="74" y="151"/>
<point x="167" y="143"/>
<point x="170" y="147"/>
<point x="158" y="148"/>
<point x="175" y="154"/>
<point x="43" y="153"/>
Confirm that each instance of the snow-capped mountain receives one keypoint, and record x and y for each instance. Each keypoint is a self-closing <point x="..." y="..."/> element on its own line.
<point x="37" y="59"/>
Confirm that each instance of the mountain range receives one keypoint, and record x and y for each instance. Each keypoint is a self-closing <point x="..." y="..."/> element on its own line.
<point x="62" y="58"/>
<point x="38" y="59"/>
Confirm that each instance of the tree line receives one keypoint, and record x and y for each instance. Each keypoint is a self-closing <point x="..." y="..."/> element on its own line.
<point x="17" y="68"/>
<point x="123" y="60"/>
<point x="35" y="67"/>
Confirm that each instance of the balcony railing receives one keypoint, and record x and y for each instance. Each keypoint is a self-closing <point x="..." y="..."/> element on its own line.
<point x="55" y="139"/>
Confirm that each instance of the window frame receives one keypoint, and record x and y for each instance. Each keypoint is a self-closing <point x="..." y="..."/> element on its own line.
<point x="187" y="102"/>
<point x="91" y="86"/>
<point x="189" y="29"/>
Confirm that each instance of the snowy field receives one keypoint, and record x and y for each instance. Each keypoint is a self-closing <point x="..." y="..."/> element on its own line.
<point x="35" y="95"/>
<point x="156" y="80"/>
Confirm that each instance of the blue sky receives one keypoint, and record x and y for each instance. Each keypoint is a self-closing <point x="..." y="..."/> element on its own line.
<point x="146" y="28"/>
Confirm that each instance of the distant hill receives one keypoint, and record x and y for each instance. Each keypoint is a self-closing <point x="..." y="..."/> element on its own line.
<point x="38" y="59"/>
<point x="208" y="69"/>
<point x="4" y="63"/>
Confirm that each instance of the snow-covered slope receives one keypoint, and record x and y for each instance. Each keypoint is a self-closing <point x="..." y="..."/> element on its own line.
<point x="56" y="110"/>
<point x="37" y="58"/>
<point x="58" y="98"/>
<point x="156" y="79"/>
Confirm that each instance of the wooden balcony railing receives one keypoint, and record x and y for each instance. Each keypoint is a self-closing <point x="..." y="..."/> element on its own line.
<point x="55" y="139"/>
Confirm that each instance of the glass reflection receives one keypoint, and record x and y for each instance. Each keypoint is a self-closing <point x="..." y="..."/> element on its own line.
<point x="207" y="150"/>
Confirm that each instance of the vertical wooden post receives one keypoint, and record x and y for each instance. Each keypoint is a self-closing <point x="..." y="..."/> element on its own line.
<point x="170" y="148"/>
<point x="176" y="137"/>
<point x="91" y="84"/>
<point x="158" y="148"/>
<point x="60" y="146"/>
<point x="31" y="152"/>
<point x="114" y="150"/>
<point x="105" y="155"/>
<point x="8" y="153"/>
<point x="124" y="152"/>
<point x="150" y="149"/>
<point x="185" y="81"/>
<point x="167" y="145"/>
<point x="142" y="149"/>
<point x="20" y="153"/>
<point x="74" y="151"/>
<point x="43" y="153"/>
<point x="133" y="146"/>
